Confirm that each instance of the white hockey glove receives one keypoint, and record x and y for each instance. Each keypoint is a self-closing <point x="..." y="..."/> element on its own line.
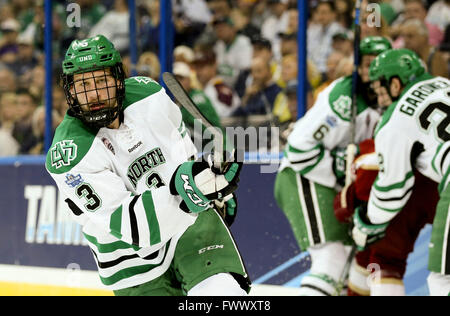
<point x="364" y="233"/>
<point x="199" y="183"/>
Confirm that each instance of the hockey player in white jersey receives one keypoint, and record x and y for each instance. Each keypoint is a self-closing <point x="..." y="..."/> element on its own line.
<point x="413" y="135"/>
<point x="313" y="170"/>
<point x="122" y="158"/>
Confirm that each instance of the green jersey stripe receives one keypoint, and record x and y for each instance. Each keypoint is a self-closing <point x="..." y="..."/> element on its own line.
<point x="394" y="186"/>
<point x="153" y="224"/>
<point x="132" y="271"/>
<point x="115" y="224"/>
<point x="309" y="168"/>
<point x="292" y="149"/>
<point x="109" y="247"/>
<point x="396" y="210"/>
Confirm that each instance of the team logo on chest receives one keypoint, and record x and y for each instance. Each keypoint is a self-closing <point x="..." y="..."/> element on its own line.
<point x="144" y="164"/>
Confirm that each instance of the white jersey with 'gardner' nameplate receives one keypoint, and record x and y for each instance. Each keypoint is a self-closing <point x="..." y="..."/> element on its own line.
<point x="116" y="183"/>
<point x="413" y="134"/>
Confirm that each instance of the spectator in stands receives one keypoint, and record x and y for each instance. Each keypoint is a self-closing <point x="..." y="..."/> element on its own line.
<point x="415" y="35"/>
<point x="190" y="18"/>
<point x="27" y="59"/>
<point x="8" y="42"/>
<point x="8" y="80"/>
<point x="321" y="32"/>
<point x="37" y="82"/>
<point x="8" y="117"/>
<point x="342" y="43"/>
<point x="59" y="101"/>
<point x="439" y="14"/>
<point x="8" y="111"/>
<point x="233" y="51"/>
<point x="259" y="96"/>
<point x="344" y="9"/>
<point x="247" y="18"/>
<point x="291" y="98"/>
<point x="148" y="65"/>
<point x="416" y="9"/>
<point x="22" y="130"/>
<point x="149" y="26"/>
<point x="289" y="66"/>
<point x="261" y="48"/>
<point x="222" y="96"/>
<point x="332" y="64"/>
<point x="115" y="26"/>
<point x="38" y="128"/>
<point x="276" y="23"/>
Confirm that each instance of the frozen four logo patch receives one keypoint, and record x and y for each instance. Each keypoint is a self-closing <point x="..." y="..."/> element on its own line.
<point x="73" y="181"/>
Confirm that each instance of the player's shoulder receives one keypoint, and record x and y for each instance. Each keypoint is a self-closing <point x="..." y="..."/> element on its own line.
<point x="340" y="97"/>
<point x="198" y="96"/>
<point x="71" y="142"/>
<point x="138" y="88"/>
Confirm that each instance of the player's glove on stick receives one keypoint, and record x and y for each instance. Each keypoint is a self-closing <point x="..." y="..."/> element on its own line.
<point x="339" y="164"/>
<point x="198" y="183"/>
<point x="365" y="233"/>
<point x="227" y="208"/>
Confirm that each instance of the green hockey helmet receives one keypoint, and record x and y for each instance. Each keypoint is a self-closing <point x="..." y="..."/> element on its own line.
<point x="374" y="45"/>
<point x="402" y="63"/>
<point x="96" y="54"/>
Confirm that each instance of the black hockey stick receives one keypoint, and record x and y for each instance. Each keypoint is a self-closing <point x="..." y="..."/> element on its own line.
<point x="186" y="102"/>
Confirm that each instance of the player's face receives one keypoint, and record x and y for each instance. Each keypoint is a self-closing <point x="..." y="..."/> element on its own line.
<point x="95" y="90"/>
<point x="384" y="99"/>
<point x="365" y="66"/>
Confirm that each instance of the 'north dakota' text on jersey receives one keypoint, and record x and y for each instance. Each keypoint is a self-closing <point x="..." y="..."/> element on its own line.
<point x="143" y="164"/>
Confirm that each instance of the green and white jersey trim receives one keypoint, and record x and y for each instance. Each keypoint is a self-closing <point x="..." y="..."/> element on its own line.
<point x="325" y="127"/>
<point x="115" y="182"/>
<point x="412" y="135"/>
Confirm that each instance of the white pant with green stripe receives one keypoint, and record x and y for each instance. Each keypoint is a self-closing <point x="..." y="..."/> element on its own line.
<point x="308" y="207"/>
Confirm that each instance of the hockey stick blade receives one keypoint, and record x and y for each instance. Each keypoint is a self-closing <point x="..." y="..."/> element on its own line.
<point x="186" y="102"/>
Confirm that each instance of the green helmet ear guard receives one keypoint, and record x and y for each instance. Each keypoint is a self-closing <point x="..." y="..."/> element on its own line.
<point x="401" y="63"/>
<point x="89" y="55"/>
<point x="374" y="45"/>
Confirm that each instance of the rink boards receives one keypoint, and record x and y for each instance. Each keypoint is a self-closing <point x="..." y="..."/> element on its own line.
<point x="43" y="252"/>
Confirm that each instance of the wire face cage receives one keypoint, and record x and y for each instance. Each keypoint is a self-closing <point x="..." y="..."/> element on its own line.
<point x="96" y="96"/>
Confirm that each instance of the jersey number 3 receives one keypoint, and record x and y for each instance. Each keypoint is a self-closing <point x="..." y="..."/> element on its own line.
<point x="93" y="200"/>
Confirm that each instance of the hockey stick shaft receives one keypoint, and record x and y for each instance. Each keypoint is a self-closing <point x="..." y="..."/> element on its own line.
<point x="186" y="102"/>
<point x="351" y="148"/>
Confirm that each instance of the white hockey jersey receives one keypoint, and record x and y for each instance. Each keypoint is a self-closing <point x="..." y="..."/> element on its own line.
<point x="413" y="134"/>
<point x="324" y="127"/>
<point x="116" y="183"/>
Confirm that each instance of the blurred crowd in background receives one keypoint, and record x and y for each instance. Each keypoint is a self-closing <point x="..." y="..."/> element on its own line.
<point x="236" y="58"/>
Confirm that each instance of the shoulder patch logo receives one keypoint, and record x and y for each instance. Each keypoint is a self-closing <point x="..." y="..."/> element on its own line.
<point x="342" y="106"/>
<point x="63" y="153"/>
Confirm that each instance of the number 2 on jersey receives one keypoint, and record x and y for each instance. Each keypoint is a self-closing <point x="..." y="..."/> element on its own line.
<point x="442" y="127"/>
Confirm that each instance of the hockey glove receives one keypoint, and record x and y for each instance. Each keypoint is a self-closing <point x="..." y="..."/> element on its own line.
<point x="198" y="183"/>
<point x="227" y="208"/>
<point x="365" y="233"/>
<point x="344" y="204"/>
